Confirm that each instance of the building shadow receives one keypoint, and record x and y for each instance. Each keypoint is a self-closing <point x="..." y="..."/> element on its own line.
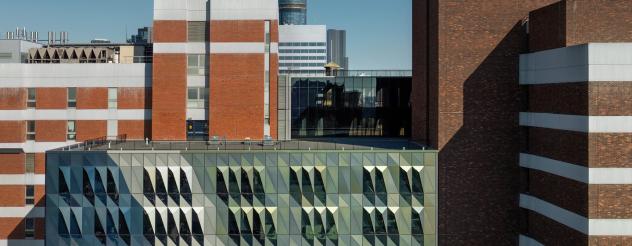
<point x="478" y="165"/>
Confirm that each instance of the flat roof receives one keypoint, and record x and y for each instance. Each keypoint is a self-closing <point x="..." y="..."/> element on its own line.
<point x="302" y="144"/>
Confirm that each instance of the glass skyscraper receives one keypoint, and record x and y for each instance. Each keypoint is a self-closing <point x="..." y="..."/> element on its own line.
<point x="292" y="12"/>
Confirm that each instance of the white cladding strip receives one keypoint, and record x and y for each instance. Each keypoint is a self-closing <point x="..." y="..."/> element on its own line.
<point x="21" y="242"/>
<point x="554" y="212"/>
<point x="36" y="147"/>
<point x="622" y="176"/>
<point x="592" y="62"/>
<point x="75" y="114"/>
<point x="578" y="123"/>
<point x="592" y="227"/>
<point x="559" y="168"/>
<point x="197" y="114"/>
<point x="20" y="212"/>
<point x="22" y="179"/>
<point x="14" y="75"/>
<point x="192" y="10"/>
<point x="244" y="9"/>
<point x="215" y="47"/>
<point x="527" y="241"/>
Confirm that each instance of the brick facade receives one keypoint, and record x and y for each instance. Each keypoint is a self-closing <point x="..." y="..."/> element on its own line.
<point x="92" y="98"/>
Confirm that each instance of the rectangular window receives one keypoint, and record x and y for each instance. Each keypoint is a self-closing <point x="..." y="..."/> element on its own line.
<point x="30" y="130"/>
<point x="197" y="31"/>
<point x="30" y="100"/>
<point x="71" y="133"/>
<point x="72" y="97"/>
<point x="112" y="98"/>
<point x="196" y="64"/>
<point x="197" y="97"/>
<point x="6" y="55"/>
<point x="29" y="227"/>
<point x="266" y="81"/>
<point x="29" y="163"/>
<point x="30" y="194"/>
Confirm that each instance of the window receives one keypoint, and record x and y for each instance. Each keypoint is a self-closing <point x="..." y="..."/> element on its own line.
<point x="30" y="130"/>
<point x="196" y="64"/>
<point x="29" y="227"/>
<point x="71" y="133"/>
<point x="30" y="194"/>
<point x="30" y="101"/>
<point x="6" y="55"/>
<point x="112" y="98"/>
<point x="197" y="31"/>
<point x="29" y="163"/>
<point x="197" y="97"/>
<point x="72" y="97"/>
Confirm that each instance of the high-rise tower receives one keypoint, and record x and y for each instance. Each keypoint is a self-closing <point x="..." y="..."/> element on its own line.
<point x="293" y="12"/>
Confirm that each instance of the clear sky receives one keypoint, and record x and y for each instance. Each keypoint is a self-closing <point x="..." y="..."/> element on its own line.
<point x="378" y="31"/>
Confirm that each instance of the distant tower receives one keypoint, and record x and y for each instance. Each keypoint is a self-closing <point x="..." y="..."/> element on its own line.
<point x="293" y="12"/>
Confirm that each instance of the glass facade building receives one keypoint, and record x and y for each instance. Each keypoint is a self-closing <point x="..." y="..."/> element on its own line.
<point x="292" y="12"/>
<point x="241" y="197"/>
<point x="351" y="106"/>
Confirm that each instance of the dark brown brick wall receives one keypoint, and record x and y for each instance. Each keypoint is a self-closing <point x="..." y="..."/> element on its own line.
<point x="471" y="74"/>
<point x="565" y="193"/>
<point x="547" y="27"/>
<point x="565" y="98"/>
<point x="598" y="21"/>
<point x="610" y="241"/>
<point x="550" y="232"/>
<point x="610" y="201"/>
<point x="566" y="146"/>
<point x="610" y="150"/>
<point x="610" y="98"/>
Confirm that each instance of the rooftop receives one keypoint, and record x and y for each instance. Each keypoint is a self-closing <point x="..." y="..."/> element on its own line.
<point x="350" y="144"/>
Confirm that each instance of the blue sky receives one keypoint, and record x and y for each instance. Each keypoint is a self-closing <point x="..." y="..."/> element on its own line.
<point x="378" y="31"/>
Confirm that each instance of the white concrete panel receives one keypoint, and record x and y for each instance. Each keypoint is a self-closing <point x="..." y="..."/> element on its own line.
<point x="37" y="147"/>
<point x="527" y="241"/>
<point x="237" y="48"/>
<point x="578" y="123"/>
<point x="21" y="242"/>
<point x="244" y="10"/>
<point x="17" y="212"/>
<point x="610" y="175"/>
<point x="22" y="179"/>
<point x="170" y="10"/>
<point x="610" y="227"/>
<point x="196" y="114"/>
<point x="75" y="75"/>
<point x="72" y="114"/>
<point x="170" y="48"/>
<point x="196" y="81"/>
<point x="581" y="63"/>
<point x="563" y="216"/>
<point x="196" y="47"/>
<point x="302" y="33"/>
<point x="559" y="168"/>
<point x="555" y="121"/>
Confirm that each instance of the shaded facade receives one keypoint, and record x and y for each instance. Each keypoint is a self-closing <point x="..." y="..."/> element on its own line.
<point x="337" y="47"/>
<point x="466" y="73"/>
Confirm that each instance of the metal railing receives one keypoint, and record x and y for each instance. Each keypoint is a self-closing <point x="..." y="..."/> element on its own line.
<point x="352" y="73"/>
<point x="247" y="145"/>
